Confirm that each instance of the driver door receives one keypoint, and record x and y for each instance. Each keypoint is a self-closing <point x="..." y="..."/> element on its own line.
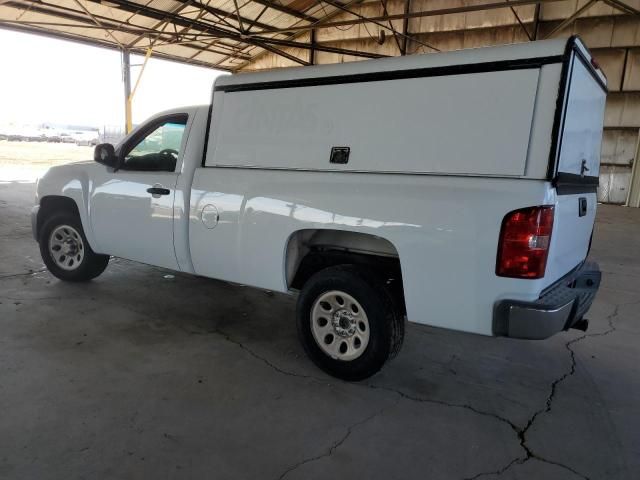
<point x="131" y="208"/>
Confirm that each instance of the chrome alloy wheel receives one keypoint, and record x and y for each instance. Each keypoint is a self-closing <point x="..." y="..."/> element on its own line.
<point x="66" y="247"/>
<point x="339" y="325"/>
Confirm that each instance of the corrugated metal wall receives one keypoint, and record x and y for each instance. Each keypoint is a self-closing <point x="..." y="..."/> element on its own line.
<point x="613" y="37"/>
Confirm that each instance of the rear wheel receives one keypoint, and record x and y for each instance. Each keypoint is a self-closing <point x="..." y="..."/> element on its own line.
<point x="348" y="322"/>
<point x="66" y="252"/>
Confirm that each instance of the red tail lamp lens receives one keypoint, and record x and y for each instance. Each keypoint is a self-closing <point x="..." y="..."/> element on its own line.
<point x="524" y="242"/>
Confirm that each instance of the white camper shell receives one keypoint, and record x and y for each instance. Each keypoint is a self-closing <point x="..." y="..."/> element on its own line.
<point x="456" y="189"/>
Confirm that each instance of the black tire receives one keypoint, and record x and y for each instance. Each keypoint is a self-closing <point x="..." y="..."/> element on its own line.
<point x="91" y="265"/>
<point x="386" y="321"/>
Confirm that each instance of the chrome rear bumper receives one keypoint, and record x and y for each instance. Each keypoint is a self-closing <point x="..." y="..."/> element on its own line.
<point x="560" y="307"/>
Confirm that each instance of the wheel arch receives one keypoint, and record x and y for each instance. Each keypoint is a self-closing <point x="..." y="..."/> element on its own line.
<point x="310" y="250"/>
<point x="51" y="204"/>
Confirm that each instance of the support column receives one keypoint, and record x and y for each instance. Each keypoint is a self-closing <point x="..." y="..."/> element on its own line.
<point x="633" y="198"/>
<point x="126" y="76"/>
<point x="536" y="22"/>
<point x="405" y="27"/>
<point x="312" y="50"/>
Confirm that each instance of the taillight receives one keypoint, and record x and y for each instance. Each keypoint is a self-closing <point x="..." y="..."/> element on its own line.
<point x="525" y="237"/>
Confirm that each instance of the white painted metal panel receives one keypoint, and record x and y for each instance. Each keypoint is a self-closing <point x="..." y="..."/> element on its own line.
<point x="125" y="219"/>
<point x="445" y="230"/>
<point x="467" y="56"/>
<point x="580" y="147"/>
<point x="583" y="123"/>
<point x="476" y="124"/>
<point x="543" y="116"/>
<point x="571" y="234"/>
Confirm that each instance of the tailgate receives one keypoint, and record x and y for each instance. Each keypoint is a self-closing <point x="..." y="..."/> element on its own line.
<point x="577" y="163"/>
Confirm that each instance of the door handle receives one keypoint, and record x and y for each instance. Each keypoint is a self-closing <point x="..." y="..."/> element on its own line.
<point x="158" y="191"/>
<point x="582" y="206"/>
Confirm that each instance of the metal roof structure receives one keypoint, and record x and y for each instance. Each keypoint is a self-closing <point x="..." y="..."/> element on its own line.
<point x="224" y="34"/>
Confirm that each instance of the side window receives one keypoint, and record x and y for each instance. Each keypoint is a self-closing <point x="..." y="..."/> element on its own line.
<point x="157" y="150"/>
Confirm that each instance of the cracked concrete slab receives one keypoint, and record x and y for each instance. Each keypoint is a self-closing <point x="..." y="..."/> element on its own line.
<point x="408" y="441"/>
<point x="140" y="374"/>
<point x="533" y="469"/>
<point x="594" y="405"/>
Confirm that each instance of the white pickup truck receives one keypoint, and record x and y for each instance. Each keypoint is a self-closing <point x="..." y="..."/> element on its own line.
<point x="456" y="190"/>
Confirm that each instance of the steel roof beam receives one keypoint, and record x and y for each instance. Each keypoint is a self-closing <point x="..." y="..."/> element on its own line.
<point x="95" y="42"/>
<point x="405" y="27"/>
<point x="622" y="6"/>
<point x="255" y="20"/>
<point x="380" y="24"/>
<point x="568" y="21"/>
<point x="97" y="22"/>
<point x="521" y="23"/>
<point x="167" y="37"/>
<point x="287" y="10"/>
<point x="84" y="22"/>
<point x="284" y="54"/>
<point x="407" y="15"/>
<point x="223" y="13"/>
<point x="294" y="35"/>
<point x="215" y="31"/>
<point x="162" y="24"/>
<point x="72" y="15"/>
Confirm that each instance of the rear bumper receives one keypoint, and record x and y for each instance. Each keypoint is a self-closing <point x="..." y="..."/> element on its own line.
<point x="561" y="306"/>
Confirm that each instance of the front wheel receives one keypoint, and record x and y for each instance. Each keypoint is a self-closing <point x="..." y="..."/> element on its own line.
<point x="348" y="322"/>
<point x="66" y="252"/>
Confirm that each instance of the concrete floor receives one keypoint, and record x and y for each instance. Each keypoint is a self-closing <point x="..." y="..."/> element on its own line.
<point x="140" y="374"/>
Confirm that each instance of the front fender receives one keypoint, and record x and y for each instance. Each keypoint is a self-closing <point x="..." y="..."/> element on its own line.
<point x="73" y="181"/>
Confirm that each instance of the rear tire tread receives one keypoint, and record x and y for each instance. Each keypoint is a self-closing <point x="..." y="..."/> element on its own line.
<point x="386" y="319"/>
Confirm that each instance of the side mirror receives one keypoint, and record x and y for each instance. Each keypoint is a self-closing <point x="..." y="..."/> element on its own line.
<point x="105" y="153"/>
